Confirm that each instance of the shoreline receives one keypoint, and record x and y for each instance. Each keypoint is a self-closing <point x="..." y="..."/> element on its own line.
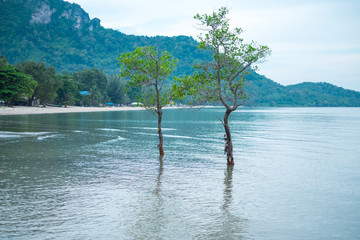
<point x="24" y="110"/>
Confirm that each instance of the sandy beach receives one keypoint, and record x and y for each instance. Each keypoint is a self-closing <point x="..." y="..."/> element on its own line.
<point x="22" y="110"/>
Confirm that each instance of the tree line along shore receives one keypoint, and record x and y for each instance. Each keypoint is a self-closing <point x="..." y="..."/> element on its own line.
<point x="33" y="83"/>
<point x="24" y="110"/>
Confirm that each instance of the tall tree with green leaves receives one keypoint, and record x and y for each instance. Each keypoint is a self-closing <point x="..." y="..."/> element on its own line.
<point x="95" y="82"/>
<point x="223" y="78"/>
<point x="146" y="68"/>
<point x="14" y="84"/>
<point x="48" y="83"/>
<point x="116" y="90"/>
<point x="67" y="92"/>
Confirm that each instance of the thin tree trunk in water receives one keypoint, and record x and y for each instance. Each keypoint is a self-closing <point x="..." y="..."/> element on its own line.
<point x="161" y="140"/>
<point x="228" y="139"/>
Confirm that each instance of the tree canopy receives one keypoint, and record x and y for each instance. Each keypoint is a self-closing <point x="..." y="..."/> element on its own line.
<point x="68" y="91"/>
<point x="146" y="68"/>
<point x="116" y="90"/>
<point x="94" y="81"/>
<point x="14" y="84"/>
<point x="47" y="82"/>
<point x="222" y="79"/>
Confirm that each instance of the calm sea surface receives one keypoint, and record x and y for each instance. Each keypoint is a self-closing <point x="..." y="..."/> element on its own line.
<point x="98" y="176"/>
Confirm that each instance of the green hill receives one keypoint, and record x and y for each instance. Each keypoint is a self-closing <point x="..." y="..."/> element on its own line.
<point x="62" y="35"/>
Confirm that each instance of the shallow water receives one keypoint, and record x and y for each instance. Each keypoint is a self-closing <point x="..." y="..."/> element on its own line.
<point x="98" y="176"/>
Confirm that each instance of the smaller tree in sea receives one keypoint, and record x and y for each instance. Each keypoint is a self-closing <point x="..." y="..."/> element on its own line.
<point x="146" y="68"/>
<point x="14" y="84"/>
<point x="223" y="78"/>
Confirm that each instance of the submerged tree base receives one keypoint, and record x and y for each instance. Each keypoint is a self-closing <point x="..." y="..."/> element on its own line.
<point x="230" y="159"/>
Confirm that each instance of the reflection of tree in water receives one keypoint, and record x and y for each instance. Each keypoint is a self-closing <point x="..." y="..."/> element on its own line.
<point x="158" y="182"/>
<point x="157" y="217"/>
<point x="230" y="225"/>
<point x="228" y="188"/>
<point x="151" y="219"/>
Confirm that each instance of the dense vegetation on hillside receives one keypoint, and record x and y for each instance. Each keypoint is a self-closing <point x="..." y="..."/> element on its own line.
<point x="62" y="35"/>
<point x="265" y="92"/>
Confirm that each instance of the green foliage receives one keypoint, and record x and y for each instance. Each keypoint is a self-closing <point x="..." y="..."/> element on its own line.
<point x="144" y="67"/>
<point x="14" y="84"/>
<point x="95" y="82"/>
<point x="133" y="92"/>
<point x="47" y="82"/>
<point x="221" y="79"/>
<point x="116" y="90"/>
<point x="3" y="61"/>
<point x="319" y="95"/>
<point x="70" y="49"/>
<point x="68" y="91"/>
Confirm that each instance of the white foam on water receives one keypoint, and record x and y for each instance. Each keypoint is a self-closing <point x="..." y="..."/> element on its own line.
<point x="5" y="134"/>
<point x="119" y="138"/>
<point x="165" y="135"/>
<point x="151" y="128"/>
<point x="110" y="129"/>
<point x="147" y="134"/>
<point x="177" y="136"/>
<point x="49" y="136"/>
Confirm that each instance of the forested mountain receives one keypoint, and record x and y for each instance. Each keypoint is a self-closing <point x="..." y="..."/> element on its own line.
<point x="62" y="35"/>
<point x="265" y="92"/>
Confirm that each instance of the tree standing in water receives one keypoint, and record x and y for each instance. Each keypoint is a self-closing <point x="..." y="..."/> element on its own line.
<point x="223" y="78"/>
<point x="146" y="68"/>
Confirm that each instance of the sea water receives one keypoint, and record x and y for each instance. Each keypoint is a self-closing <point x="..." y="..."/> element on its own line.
<point x="98" y="175"/>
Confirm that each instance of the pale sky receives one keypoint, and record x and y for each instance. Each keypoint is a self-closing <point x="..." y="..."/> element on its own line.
<point x="311" y="40"/>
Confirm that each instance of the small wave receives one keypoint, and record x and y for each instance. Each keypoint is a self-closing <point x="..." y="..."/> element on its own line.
<point x="151" y="128"/>
<point x="78" y="131"/>
<point x="147" y="134"/>
<point x="110" y="129"/>
<point x="4" y="134"/>
<point x="177" y="136"/>
<point x="165" y="135"/>
<point x="115" y="140"/>
<point x="34" y="133"/>
<point x="48" y="136"/>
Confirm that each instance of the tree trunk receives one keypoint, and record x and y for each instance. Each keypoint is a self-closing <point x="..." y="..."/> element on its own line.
<point x="228" y="139"/>
<point x="30" y="100"/>
<point x="161" y="140"/>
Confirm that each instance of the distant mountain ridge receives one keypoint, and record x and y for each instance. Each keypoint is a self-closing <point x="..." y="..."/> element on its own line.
<point x="63" y="35"/>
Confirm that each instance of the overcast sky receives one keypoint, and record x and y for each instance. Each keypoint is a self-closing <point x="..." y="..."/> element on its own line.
<point x="311" y="40"/>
